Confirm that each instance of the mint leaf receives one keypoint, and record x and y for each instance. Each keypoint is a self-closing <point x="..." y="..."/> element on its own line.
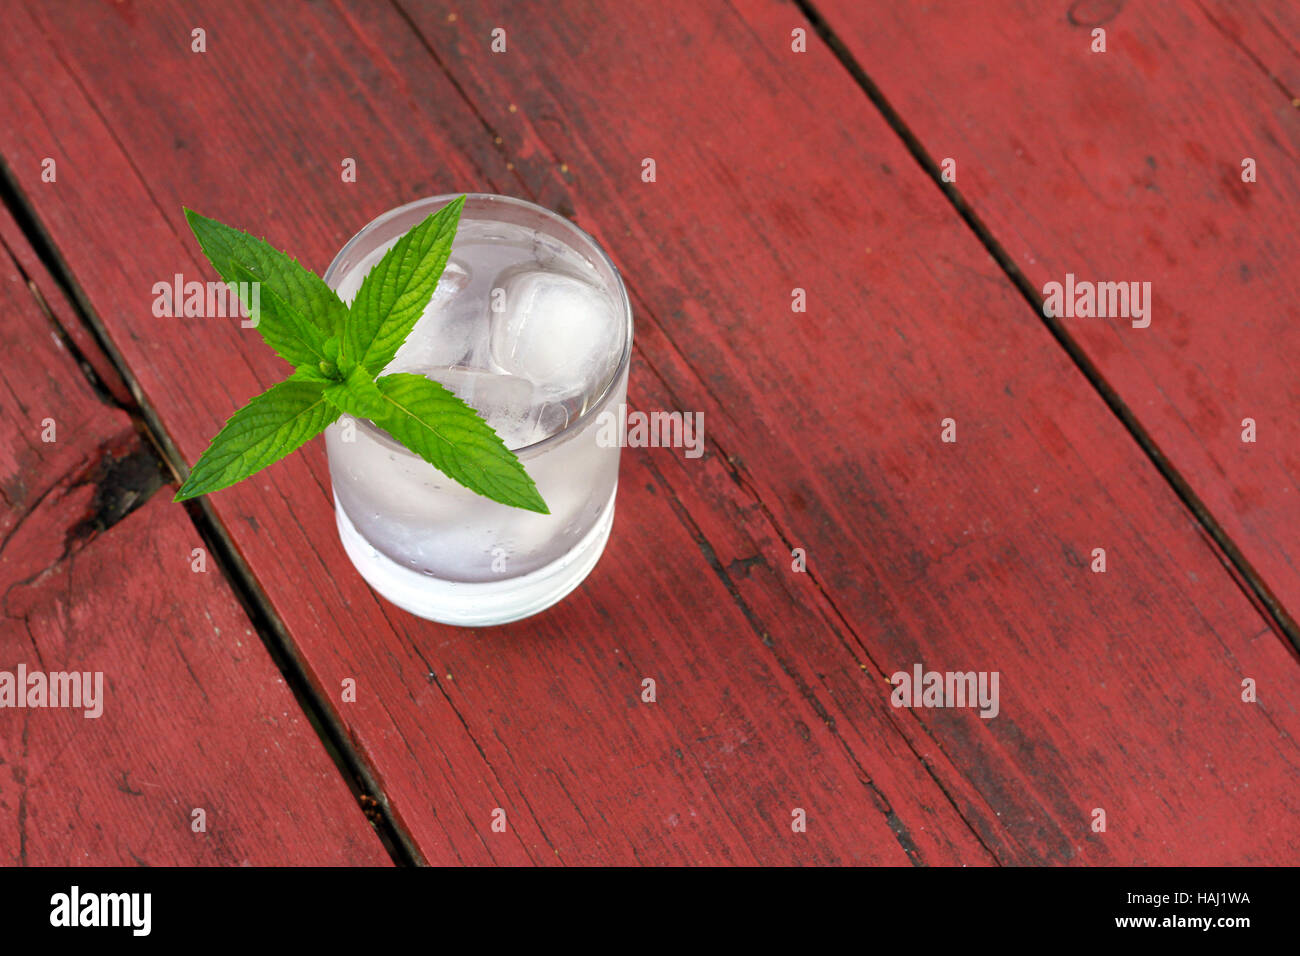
<point x="297" y="339"/>
<point x="448" y="434"/>
<point x="304" y="291"/>
<point x="396" y="291"/>
<point x="269" y="427"/>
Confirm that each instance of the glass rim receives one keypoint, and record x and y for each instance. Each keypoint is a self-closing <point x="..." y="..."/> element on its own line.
<point x="625" y="359"/>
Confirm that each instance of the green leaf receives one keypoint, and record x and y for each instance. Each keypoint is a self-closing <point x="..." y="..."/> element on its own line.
<point x="269" y="427"/>
<point x="395" y="293"/>
<point x="297" y="339"/>
<point x="448" y="434"/>
<point x="302" y="290"/>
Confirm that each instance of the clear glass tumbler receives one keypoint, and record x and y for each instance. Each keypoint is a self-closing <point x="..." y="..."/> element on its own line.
<point x="531" y="326"/>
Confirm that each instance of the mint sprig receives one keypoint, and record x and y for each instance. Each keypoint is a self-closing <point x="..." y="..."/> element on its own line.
<point x="338" y="353"/>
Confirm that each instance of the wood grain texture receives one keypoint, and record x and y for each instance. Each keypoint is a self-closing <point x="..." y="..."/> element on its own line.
<point x="1119" y="690"/>
<point x="194" y="714"/>
<point x="1126" y="165"/>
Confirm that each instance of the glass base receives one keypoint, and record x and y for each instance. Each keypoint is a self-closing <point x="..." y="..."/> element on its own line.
<point x="475" y="604"/>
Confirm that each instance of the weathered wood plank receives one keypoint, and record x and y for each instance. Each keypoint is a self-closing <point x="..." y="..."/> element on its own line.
<point x="192" y="713"/>
<point x="1127" y="166"/>
<point x="823" y="430"/>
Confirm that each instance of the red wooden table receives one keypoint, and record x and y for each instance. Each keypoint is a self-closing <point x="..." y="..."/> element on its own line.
<point x="797" y="146"/>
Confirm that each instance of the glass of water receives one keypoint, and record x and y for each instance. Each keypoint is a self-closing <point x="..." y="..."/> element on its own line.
<point x="531" y="326"/>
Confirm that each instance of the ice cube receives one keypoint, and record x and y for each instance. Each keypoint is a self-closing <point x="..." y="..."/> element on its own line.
<point x="450" y="329"/>
<point x="555" y="330"/>
<point x="552" y="417"/>
<point x="513" y="406"/>
<point x="454" y="278"/>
